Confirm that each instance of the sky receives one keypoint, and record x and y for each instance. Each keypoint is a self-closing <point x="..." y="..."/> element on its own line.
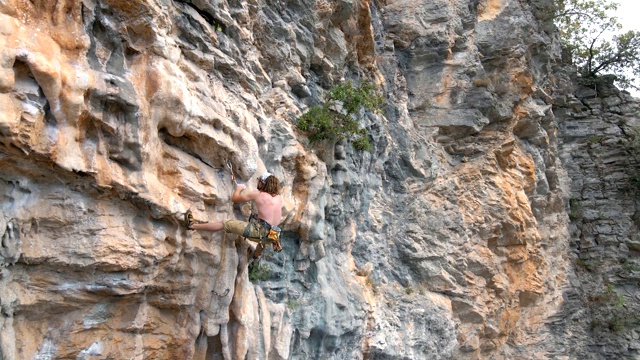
<point x="627" y="14"/>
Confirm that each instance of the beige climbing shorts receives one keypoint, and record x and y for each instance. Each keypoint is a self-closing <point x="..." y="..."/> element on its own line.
<point x="238" y="227"/>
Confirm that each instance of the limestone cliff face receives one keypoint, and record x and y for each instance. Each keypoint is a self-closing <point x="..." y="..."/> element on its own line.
<point x="599" y="148"/>
<point x="449" y="239"/>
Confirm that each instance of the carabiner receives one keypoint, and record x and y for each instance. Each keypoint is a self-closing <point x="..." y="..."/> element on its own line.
<point x="233" y="176"/>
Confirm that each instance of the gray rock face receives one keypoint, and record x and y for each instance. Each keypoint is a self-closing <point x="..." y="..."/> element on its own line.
<point x="449" y="239"/>
<point x="598" y="133"/>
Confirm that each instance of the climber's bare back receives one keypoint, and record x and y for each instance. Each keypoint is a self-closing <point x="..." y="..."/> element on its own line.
<point x="269" y="207"/>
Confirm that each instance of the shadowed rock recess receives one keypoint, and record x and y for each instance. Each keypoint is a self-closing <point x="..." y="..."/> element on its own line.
<point x="494" y="217"/>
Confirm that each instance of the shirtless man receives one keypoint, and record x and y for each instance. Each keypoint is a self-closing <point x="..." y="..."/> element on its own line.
<point x="261" y="229"/>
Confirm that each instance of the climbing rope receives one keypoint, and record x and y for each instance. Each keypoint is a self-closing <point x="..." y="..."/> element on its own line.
<point x="286" y="273"/>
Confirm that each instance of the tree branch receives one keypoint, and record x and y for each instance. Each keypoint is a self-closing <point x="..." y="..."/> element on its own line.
<point x="591" y="52"/>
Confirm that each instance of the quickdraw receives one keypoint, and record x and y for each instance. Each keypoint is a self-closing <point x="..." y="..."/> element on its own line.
<point x="233" y="176"/>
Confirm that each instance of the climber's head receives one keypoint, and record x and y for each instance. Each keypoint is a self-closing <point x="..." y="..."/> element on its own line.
<point x="269" y="184"/>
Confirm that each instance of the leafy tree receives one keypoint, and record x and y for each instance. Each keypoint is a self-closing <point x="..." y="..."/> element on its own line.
<point x="336" y="118"/>
<point x="586" y="27"/>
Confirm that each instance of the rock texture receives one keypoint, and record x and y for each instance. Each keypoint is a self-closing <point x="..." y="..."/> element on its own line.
<point x="599" y="147"/>
<point x="449" y="239"/>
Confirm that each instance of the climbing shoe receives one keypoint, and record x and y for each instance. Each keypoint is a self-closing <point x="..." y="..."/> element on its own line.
<point x="189" y="220"/>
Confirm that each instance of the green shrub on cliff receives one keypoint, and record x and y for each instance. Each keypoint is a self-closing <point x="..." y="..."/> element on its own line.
<point x="258" y="272"/>
<point x="589" y="31"/>
<point x="337" y="118"/>
<point x="609" y="310"/>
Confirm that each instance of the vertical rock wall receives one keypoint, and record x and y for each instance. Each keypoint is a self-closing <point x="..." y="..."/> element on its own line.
<point x="447" y="240"/>
<point x="117" y="117"/>
<point x="599" y="147"/>
<point x="469" y="216"/>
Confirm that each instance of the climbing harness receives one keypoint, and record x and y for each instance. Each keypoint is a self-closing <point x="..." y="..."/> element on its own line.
<point x="274" y="235"/>
<point x="266" y="231"/>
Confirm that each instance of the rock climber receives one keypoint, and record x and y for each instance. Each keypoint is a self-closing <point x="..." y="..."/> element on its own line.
<point x="261" y="227"/>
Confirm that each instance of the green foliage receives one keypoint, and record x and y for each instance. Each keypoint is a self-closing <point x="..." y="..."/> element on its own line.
<point x="318" y="122"/>
<point x="337" y="118"/>
<point x="619" y="301"/>
<point x="373" y="284"/>
<point x="408" y="290"/>
<point x="293" y="304"/>
<point x="355" y="98"/>
<point x="586" y="27"/>
<point x="634" y="246"/>
<point x="258" y="272"/>
<point x="636" y="182"/>
<point x="610" y="306"/>
<point x="633" y="145"/>
<point x="594" y="139"/>
<point x="616" y="323"/>
<point x="575" y="209"/>
<point x="482" y="82"/>
<point x="628" y="266"/>
<point x="361" y="142"/>
<point x="584" y="264"/>
<point x="613" y="297"/>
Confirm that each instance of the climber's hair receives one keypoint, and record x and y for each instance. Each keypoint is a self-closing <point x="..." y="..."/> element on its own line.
<point x="270" y="186"/>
